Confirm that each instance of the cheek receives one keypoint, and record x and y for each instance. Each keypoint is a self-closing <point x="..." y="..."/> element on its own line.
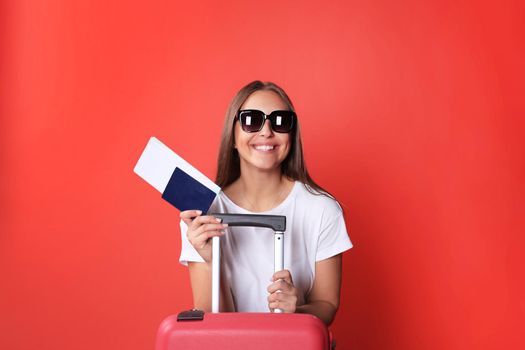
<point x="236" y="135"/>
<point x="288" y="142"/>
<point x="240" y="138"/>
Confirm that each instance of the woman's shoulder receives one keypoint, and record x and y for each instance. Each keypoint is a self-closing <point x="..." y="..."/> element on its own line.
<point x="315" y="198"/>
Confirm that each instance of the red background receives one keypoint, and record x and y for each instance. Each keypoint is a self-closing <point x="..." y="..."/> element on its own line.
<point x="412" y="113"/>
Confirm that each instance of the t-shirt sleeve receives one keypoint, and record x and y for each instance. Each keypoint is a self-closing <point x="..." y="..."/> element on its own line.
<point x="333" y="238"/>
<point x="187" y="252"/>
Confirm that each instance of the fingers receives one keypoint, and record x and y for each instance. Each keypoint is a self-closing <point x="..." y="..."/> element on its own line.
<point x="203" y="233"/>
<point x="282" y="282"/>
<point x="208" y="230"/>
<point x="193" y="219"/>
<point x="188" y="215"/>
<point x="201" y="220"/>
<point x="202" y="228"/>
<point x="283" y="275"/>
<point x="283" y="294"/>
<point x="280" y="285"/>
<point x="284" y="301"/>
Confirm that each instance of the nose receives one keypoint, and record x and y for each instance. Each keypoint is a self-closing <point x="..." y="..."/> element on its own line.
<point x="266" y="129"/>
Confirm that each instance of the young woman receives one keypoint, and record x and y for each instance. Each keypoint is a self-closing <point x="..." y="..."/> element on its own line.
<point x="261" y="170"/>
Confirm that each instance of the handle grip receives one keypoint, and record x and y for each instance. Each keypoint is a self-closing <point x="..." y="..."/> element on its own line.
<point x="275" y="222"/>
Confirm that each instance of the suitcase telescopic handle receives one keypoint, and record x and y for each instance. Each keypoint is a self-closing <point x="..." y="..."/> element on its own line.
<point x="275" y="222"/>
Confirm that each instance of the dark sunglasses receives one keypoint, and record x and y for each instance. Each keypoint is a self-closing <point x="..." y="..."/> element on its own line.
<point x="252" y="120"/>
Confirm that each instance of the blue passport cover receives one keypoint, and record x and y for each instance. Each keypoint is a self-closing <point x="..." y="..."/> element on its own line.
<point x="185" y="193"/>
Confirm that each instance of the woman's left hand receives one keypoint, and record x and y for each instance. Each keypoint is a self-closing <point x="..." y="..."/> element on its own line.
<point x="283" y="294"/>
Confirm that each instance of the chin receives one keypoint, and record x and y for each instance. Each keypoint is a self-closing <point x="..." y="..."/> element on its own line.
<point x="266" y="166"/>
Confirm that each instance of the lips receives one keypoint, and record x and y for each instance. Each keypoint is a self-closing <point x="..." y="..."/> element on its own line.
<point x="264" y="148"/>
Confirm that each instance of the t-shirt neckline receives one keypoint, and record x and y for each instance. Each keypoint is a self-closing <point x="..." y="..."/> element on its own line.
<point x="277" y="208"/>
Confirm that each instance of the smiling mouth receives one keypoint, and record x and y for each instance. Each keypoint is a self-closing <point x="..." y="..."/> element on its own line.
<point x="264" y="148"/>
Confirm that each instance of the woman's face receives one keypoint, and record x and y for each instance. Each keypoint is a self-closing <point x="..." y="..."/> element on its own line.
<point x="266" y="149"/>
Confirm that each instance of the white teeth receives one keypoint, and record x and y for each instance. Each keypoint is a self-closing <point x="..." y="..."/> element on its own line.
<point x="264" y="148"/>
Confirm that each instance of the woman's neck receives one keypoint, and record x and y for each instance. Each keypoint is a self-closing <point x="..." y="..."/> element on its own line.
<point x="259" y="191"/>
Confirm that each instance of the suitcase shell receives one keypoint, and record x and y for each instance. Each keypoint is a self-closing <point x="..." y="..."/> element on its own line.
<point x="253" y="331"/>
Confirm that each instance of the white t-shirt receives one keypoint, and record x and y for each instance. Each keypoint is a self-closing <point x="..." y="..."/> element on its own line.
<point x="315" y="230"/>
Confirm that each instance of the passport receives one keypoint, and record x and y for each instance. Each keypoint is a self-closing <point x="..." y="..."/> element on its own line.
<point x="180" y="184"/>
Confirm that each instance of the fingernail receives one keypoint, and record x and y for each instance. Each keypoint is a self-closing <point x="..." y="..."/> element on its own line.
<point x="218" y="220"/>
<point x="224" y="225"/>
<point x="199" y="212"/>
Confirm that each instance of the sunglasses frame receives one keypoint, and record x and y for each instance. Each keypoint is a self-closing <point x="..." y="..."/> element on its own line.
<point x="270" y="117"/>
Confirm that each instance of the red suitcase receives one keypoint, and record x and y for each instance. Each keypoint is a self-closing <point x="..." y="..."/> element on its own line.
<point x="196" y="330"/>
<point x="252" y="331"/>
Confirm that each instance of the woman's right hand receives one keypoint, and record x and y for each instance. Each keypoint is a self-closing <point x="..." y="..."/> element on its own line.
<point x="200" y="231"/>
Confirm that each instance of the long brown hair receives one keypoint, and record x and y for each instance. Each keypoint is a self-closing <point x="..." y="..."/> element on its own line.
<point x="293" y="166"/>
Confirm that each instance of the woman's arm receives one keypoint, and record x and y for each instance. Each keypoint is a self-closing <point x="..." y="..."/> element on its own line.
<point x="323" y="300"/>
<point x="200" y="278"/>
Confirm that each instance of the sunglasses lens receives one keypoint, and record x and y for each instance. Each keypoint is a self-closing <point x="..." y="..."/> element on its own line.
<point x="282" y="121"/>
<point x="251" y="120"/>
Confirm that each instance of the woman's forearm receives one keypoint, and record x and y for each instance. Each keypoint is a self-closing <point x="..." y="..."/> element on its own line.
<point x="324" y="310"/>
<point x="200" y="277"/>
